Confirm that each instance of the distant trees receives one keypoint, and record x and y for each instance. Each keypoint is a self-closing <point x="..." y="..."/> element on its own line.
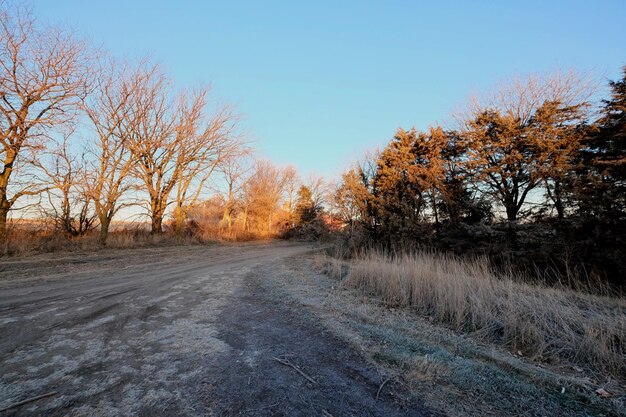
<point x="262" y="195"/>
<point x="258" y="199"/>
<point x="43" y="76"/>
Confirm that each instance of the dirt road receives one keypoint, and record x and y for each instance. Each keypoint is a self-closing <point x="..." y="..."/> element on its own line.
<point x="173" y="331"/>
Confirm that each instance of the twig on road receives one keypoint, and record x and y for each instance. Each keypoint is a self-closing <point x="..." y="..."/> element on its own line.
<point x="287" y="363"/>
<point x="381" y="387"/>
<point x="29" y="400"/>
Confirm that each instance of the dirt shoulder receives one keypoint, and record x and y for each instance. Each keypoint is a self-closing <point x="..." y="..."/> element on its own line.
<point x="449" y="372"/>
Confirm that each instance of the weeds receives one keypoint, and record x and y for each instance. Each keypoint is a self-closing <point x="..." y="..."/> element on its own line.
<point x="556" y="325"/>
<point x="43" y="239"/>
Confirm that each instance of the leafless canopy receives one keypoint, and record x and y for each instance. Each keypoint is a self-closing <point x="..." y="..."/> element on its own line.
<point x="42" y="77"/>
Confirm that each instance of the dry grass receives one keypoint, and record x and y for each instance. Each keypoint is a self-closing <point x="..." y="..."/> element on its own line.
<point x="334" y="267"/>
<point x="550" y="324"/>
<point x="42" y="239"/>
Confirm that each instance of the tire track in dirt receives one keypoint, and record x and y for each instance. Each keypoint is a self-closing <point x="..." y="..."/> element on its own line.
<point x="258" y="329"/>
<point x="121" y="340"/>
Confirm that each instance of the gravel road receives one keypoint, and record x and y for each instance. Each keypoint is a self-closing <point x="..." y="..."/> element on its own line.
<point x="169" y="332"/>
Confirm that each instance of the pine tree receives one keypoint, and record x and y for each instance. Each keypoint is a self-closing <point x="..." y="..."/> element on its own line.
<point x="398" y="200"/>
<point x="557" y="132"/>
<point x="602" y="187"/>
<point x="305" y="210"/>
<point x="501" y="157"/>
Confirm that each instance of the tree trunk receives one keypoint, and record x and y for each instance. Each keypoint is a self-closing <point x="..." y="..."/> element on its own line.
<point x="158" y="211"/>
<point x="105" y="222"/>
<point x="4" y="213"/>
<point x="67" y="228"/>
<point x="179" y="220"/>
<point x="559" y="209"/>
<point x="558" y="201"/>
<point x="5" y="204"/>
<point x="227" y="219"/>
<point x="435" y="211"/>
<point x="157" y="224"/>
<point x="511" y="211"/>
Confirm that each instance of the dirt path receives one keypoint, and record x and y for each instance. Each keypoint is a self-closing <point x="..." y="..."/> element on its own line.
<point x="173" y="331"/>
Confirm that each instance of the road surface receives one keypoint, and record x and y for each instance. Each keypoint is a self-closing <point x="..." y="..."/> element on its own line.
<point x="173" y="331"/>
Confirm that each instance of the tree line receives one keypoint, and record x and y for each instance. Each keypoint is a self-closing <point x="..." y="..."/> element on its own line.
<point x="84" y="136"/>
<point x="535" y="152"/>
<point x="263" y="200"/>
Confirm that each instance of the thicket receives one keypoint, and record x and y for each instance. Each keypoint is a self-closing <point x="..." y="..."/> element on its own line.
<point x="534" y="177"/>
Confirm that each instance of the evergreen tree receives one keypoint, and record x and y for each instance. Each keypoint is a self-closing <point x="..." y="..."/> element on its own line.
<point x="397" y="196"/>
<point x="557" y="132"/>
<point x="501" y="157"/>
<point x="305" y="210"/>
<point x="602" y="188"/>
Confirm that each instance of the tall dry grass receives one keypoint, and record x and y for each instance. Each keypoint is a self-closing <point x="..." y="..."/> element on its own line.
<point x="551" y="324"/>
<point x="28" y="241"/>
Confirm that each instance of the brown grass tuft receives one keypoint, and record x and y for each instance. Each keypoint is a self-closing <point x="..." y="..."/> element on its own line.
<point x="551" y="324"/>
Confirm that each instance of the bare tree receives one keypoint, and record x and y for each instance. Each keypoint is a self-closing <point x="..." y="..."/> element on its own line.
<point x="233" y="171"/>
<point x="320" y="191"/>
<point x="69" y="205"/>
<point x="262" y="195"/>
<point x="204" y="144"/>
<point x="152" y="141"/>
<point x="292" y="183"/>
<point x="42" y="77"/>
<point x="111" y="113"/>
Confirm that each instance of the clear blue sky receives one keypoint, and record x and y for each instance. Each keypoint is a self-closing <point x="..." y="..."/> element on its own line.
<point x="320" y="81"/>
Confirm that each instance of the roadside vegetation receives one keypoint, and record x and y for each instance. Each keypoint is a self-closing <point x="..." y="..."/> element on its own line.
<point x="508" y="227"/>
<point x="532" y="177"/>
<point x="555" y="325"/>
